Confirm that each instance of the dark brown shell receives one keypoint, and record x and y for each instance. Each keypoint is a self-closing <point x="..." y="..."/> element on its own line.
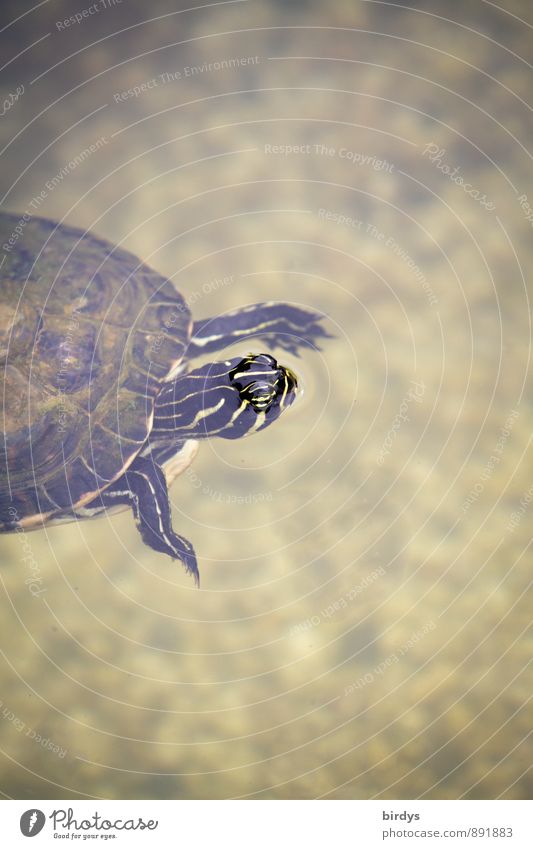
<point x="87" y="335"/>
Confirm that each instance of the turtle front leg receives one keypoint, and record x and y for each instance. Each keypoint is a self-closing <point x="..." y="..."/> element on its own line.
<point x="282" y="325"/>
<point x="144" y="488"/>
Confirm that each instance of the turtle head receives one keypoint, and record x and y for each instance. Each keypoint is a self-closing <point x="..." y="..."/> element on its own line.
<point x="263" y="383"/>
<point x="229" y="399"/>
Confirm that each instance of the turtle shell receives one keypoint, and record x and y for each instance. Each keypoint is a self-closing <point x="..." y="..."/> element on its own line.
<point x="87" y="335"/>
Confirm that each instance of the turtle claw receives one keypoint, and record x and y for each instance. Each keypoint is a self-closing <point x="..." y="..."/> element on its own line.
<point x="293" y="344"/>
<point x="154" y="518"/>
<point x="281" y="325"/>
<point x="184" y="552"/>
<point x="166" y="541"/>
<point x="143" y="486"/>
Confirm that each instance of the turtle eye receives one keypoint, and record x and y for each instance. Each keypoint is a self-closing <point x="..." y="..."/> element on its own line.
<point x="260" y="394"/>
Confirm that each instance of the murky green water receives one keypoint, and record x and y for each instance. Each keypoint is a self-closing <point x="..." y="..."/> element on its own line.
<point x="362" y="627"/>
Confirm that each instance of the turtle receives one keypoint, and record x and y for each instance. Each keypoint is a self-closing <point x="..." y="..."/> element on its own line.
<point x="103" y="405"/>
